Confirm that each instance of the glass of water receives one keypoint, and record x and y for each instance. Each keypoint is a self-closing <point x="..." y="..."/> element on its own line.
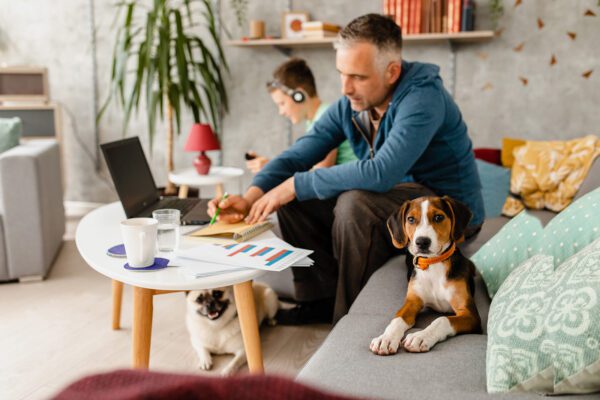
<point x="168" y="229"/>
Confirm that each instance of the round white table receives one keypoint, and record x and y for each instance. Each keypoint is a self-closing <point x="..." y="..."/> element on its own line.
<point x="99" y="230"/>
<point x="216" y="176"/>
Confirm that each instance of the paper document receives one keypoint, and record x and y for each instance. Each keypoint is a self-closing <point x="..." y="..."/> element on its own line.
<point x="267" y="254"/>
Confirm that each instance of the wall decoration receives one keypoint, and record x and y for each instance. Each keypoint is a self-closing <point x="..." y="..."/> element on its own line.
<point x="553" y="60"/>
<point x="589" y="13"/>
<point x="524" y="80"/>
<point x="291" y="24"/>
<point x="572" y="35"/>
<point x="517" y="3"/>
<point x="540" y="23"/>
<point x="487" y="87"/>
<point x="519" y="47"/>
<point x="587" y="74"/>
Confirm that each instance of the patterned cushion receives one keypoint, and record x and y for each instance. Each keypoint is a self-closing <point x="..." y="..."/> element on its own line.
<point x="544" y="327"/>
<point x="574" y="228"/>
<point x="506" y="250"/>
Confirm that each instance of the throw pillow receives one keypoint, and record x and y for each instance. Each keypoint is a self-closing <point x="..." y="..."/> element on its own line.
<point x="508" y="145"/>
<point x="544" y="327"/>
<point x="506" y="250"/>
<point x="574" y="228"/>
<point x="495" y="185"/>
<point x="10" y="133"/>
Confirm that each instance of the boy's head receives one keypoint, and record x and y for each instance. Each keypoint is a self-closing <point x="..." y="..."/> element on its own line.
<point x="293" y="75"/>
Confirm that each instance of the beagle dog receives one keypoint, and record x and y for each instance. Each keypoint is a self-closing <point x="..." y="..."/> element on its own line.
<point x="439" y="276"/>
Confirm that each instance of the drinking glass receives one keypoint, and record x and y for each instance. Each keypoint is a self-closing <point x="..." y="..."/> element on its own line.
<point x="168" y="228"/>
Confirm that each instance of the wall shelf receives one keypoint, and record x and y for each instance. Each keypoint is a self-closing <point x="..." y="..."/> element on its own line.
<point x="460" y="37"/>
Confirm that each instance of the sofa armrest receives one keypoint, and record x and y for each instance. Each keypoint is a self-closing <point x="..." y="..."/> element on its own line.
<point x="31" y="204"/>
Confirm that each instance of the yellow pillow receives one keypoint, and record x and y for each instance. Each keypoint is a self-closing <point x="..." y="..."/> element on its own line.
<point x="506" y="155"/>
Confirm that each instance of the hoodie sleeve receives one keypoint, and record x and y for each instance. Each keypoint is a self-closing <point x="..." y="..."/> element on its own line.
<point x="417" y="119"/>
<point x="325" y="135"/>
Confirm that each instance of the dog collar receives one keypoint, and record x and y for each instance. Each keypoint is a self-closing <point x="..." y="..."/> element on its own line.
<point x="424" y="262"/>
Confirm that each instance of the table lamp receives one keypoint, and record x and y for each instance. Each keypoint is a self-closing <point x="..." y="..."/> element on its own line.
<point x="201" y="138"/>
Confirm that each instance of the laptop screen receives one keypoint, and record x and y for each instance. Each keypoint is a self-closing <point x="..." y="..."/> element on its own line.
<point x="130" y="174"/>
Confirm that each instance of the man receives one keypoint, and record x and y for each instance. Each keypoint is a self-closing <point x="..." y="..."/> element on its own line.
<point x="292" y="79"/>
<point x="400" y="121"/>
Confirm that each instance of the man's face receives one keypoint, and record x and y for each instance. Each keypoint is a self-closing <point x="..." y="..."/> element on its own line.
<point x="363" y="81"/>
<point x="287" y="107"/>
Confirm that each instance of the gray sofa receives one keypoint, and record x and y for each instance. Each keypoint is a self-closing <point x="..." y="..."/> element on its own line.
<point x="32" y="215"/>
<point x="454" y="369"/>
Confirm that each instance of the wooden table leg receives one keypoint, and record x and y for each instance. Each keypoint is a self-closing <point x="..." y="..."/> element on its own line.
<point x="183" y="191"/>
<point x="142" y="326"/>
<point x="117" y="297"/>
<point x="244" y="300"/>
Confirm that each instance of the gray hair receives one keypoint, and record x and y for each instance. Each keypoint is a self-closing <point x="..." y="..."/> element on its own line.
<point x="378" y="30"/>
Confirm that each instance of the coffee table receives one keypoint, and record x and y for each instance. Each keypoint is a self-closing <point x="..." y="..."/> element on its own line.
<point x="99" y="230"/>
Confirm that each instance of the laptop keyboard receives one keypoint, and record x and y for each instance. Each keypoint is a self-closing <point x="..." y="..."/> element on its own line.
<point x="183" y="205"/>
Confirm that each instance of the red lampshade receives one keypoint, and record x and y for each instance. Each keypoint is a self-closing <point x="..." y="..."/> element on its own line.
<point x="201" y="138"/>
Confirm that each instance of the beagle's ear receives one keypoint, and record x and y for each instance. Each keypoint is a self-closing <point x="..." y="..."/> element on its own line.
<point x="461" y="216"/>
<point x="395" y="225"/>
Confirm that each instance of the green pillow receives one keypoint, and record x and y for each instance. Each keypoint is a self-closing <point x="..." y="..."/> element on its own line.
<point x="10" y="133"/>
<point x="506" y="250"/>
<point x="574" y="228"/>
<point x="544" y="327"/>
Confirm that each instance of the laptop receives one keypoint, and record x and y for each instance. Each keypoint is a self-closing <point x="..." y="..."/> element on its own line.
<point x="136" y="188"/>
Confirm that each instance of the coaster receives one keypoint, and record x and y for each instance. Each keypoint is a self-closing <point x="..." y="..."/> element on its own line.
<point x="159" y="263"/>
<point x="117" y="251"/>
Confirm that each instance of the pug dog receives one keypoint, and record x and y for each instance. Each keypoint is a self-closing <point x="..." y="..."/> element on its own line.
<point x="213" y="324"/>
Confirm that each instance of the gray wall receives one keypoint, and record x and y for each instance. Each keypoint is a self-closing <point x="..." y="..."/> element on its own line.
<point x="557" y="102"/>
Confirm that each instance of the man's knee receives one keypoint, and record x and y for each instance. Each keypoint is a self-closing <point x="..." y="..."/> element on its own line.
<point x="352" y="204"/>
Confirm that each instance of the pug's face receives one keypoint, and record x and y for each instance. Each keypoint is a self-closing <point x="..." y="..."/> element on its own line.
<point x="212" y="303"/>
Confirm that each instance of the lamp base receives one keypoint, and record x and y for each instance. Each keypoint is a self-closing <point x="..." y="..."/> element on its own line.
<point x="202" y="164"/>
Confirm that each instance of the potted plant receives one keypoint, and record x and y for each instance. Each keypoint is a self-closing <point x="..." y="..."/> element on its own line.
<point x="173" y="66"/>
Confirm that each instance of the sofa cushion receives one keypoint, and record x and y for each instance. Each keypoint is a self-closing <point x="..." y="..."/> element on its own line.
<point x="506" y="250"/>
<point x="385" y="292"/>
<point x="545" y="324"/>
<point x="495" y="185"/>
<point x="453" y="369"/>
<point x="574" y="228"/>
<point x="10" y="133"/>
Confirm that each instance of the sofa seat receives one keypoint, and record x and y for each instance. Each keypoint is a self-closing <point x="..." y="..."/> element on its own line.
<point x="453" y="369"/>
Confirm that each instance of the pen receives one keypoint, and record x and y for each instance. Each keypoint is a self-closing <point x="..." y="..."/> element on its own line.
<point x="214" y="218"/>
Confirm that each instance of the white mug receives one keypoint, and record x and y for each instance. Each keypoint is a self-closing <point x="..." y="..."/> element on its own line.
<point x="139" y="238"/>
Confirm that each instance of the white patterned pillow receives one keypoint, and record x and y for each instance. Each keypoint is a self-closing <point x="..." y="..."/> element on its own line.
<point x="544" y="327"/>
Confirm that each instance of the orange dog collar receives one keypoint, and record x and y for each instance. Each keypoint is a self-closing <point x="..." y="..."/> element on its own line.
<point x="424" y="262"/>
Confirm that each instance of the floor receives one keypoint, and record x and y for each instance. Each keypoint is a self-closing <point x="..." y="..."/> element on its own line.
<point x="55" y="331"/>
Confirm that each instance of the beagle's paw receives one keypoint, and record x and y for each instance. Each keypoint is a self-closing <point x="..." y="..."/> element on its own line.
<point x="389" y="342"/>
<point x="418" y="342"/>
<point x="384" y="345"/>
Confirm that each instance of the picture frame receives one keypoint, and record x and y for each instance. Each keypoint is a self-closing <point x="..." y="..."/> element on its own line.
<point x="291" y="24"/>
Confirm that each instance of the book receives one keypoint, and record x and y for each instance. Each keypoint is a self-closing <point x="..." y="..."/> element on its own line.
<point x="239" y="232"/>
<point x="320" y="26"/>
<point x="468" y="16"/>
<point x="318" y="34"/>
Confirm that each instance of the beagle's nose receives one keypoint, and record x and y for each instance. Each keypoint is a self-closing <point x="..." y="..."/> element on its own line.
<point x="423" y="242"/>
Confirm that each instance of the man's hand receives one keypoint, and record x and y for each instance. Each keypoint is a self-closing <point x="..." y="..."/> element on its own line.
<point x="272" y="201"/>
<point x="233" y="208"/>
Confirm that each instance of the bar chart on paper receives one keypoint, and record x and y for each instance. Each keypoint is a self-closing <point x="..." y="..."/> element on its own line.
<point x="267" y="254"/>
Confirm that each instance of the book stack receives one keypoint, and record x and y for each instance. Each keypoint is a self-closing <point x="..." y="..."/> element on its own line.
<point x="431" y="16"/>
<point x="319" y="29"/>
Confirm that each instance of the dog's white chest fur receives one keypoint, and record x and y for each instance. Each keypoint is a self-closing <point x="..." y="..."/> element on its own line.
<point x="430" y="286"/>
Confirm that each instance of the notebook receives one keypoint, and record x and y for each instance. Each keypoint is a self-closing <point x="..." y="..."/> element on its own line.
<point x="239" y="232"/>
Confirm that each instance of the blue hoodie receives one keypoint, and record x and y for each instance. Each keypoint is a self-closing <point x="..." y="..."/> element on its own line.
<point x="422" y="134"/>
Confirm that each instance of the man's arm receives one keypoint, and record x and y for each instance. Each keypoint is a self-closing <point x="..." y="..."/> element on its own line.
<point x="415" y="124"/>
<point x="325" y="135"/>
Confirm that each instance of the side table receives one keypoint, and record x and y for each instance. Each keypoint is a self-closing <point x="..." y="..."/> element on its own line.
<point x="217" y="176"/>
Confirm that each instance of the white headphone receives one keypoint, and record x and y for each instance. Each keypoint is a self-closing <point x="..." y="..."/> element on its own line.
<point x="297" y="95"/>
